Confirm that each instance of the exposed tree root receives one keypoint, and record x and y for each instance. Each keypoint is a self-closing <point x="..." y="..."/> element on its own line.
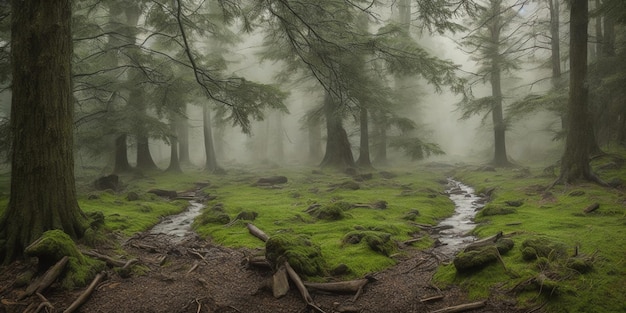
<point x="85" y="295"/>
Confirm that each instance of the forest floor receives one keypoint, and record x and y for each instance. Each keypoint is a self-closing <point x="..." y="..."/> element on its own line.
<point x="223" y="282"/>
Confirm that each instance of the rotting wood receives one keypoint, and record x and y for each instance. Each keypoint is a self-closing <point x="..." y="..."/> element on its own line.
<point x="300" y="285"/>
<point x="193" y="268"/>
<point x="484" y="242"/>
<point x="280" y="284"/>
<point x="47" y="279"/>
<point x="592" y="208"/>
<point x="257" y="260"/>
<point x="85" y="295"/>
<point x="256" y="232"/>
<point x="111" y="262"/>
<point x="432" y="298"/>
<point x="462" y="307"/>
<point x="44" y="304"/>
<point x="350" y="286"/>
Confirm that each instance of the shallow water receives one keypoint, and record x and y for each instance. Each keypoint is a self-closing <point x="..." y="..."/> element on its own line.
<point x="179" y="225"/>
<point x="455" y="229"/>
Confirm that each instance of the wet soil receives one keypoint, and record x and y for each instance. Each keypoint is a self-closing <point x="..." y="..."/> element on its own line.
<point x="223" y="282"/>
<point x="180" y="272"/>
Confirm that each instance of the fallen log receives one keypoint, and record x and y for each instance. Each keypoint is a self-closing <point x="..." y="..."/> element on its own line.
<point x="47" y="279"/>
<point x="461" y="307"/>
<point x="111" y="262"/>
<point x="256" y="232"/>
<point x="258" y="260"/>
<point x="483" y="242"/>
<point x="432" y="298"/>
<point x="351" y="286"/>
<point x="83" y="297"/>
<point x="592" y="208"/>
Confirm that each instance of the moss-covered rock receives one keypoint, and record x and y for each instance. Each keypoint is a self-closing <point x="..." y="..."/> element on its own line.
<point x="52" y="246"/>
<point x="545" y="247"/>
<point x="214" y="215"/>
<point x="330" y="212"/>
<point x="492" y="210"/>
<point x="580" y="264"/>
<point x="303" y="256"/>
<point x="377" y="241"/>
<point x="411" y="215"/>
<point x="476" y="259"/>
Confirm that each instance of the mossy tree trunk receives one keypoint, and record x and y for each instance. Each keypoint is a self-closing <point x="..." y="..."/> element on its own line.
<point x="209" y="150"/>
<point x="121" y="155"/>
<point x="499" y="125"/>
<point x="174" y="160"/>
<point x="338" y="151"/>
<point x="364" y="148"/>
<point x="43" y="192"/>
<point x="182" y="129"/>
<point x="575" y="160"/>
<point x="314" y="132"/>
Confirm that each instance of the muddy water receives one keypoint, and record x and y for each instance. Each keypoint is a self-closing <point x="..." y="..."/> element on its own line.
<point x="453" y="234"/>
<point x="179" y="225"/>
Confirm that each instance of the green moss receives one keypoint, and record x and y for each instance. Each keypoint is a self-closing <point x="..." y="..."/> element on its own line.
<point x="52" y="246"/>
<point x="476" y="259"/>
<point x="377" y="241"/>
<point x="330" y="212"/>
<point x="491" y="210"/>
<point x="545" y="247"/>
<point x="304" y="256"/>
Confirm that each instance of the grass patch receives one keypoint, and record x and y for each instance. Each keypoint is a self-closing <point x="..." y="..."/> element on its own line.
<point x="547" y="230"/>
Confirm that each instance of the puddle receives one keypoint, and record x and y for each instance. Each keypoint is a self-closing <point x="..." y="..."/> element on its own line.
<point x="453" y="234"/>
<point x="179" y="225"/>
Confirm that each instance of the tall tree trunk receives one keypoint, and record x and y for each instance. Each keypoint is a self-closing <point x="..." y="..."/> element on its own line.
<point x="555" y="56"/>
<point x="43" y="192"/>
<point x="338" y="151"/>
<point x="364" y="148"/>
<point x="144" y="157"/>
<point x="575" y="159"/>
<point x="211" y="160"/>
<point x="277" y="136"/>
<point x="182" y="129"/>
<point x="380" y="141"/>
<point x="121" y="155"/>
<point x="314" y="130"/>
<point x="499" y="126"/>
<point x="174" y="161"/>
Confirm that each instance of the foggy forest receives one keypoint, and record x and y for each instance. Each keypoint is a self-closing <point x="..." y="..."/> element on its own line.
<point x="312" y="156"/>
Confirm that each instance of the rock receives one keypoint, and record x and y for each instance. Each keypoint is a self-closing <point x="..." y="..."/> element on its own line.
<point x="132" y="196"/>
<point x="170" y="194"/>
<point x="107" y="182"/>
<point x="514" y="203"/>
<point x="272" y="180"/>
<point x="340" y="270"/>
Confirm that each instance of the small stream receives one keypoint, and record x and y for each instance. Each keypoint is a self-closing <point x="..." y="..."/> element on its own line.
<point x="454" y="230"/>
<point x="179" y="225"/>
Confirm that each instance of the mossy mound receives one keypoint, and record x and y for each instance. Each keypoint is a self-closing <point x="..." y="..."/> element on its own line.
<point x="214" y="215"/>
<point x="481" y="256"/>
<point x="412" y="215"/>
<point x="330" y="212"/>
<point x="303" y="256"/>
<point x="475" y="259"/>
<point x="496" y="210"/>
<point x="52" y="246"/>
<point x="543" y="247"/>
<point x="376" y="240"/>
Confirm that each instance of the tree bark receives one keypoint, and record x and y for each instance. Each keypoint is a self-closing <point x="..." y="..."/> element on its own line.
<point x="364" y="148"/>
<point x="575" y="159"/>
<point x="174" y="161"/>
<point x="211" y="160"/>
<point x="43" y="192"/>
<point x="144" y="158"/>
<point x="499" y="126"/>
<point x="182" y="129"/>
<point x="338" y="149"/>
<point x="314" y="130"/>
<point x="121" y="155"/>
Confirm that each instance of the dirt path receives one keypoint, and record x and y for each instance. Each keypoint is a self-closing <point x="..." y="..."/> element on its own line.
<point x="222" y="282"/>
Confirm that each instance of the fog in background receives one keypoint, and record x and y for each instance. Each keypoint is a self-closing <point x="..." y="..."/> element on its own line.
<point x="467" y="141"/>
